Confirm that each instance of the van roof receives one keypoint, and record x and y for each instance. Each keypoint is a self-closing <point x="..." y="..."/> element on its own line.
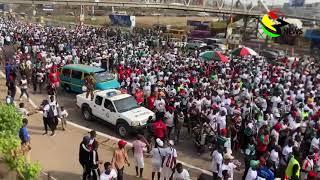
<point x="83" y="68"/>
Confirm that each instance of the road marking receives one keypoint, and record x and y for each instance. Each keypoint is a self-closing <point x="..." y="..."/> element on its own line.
<point x="46" y="174"/>
<point x="111" y="137"/>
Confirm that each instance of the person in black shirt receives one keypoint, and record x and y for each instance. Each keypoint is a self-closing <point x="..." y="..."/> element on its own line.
<point x="94" y="162"/>
<point x="84" y="152"/>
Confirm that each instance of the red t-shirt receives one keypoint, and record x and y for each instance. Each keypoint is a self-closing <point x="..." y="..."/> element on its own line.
<point x="159" y="129"/>
<point x="139" y="96"/>
<point x="54" y="77"/>
<point x="151" y="100"/>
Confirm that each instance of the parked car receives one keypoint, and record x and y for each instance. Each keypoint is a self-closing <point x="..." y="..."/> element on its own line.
<point x="279" y="52"/>
<point x="72" y="77"/>
<point x="220" y="36"/>
<point x="117" y="109"/>
<point x="270" y="55"/>
<point x="221" y="46"/>
<point x="210" y="48"/>
<point x="211" y="41"/>
<point x="195" y="44"/>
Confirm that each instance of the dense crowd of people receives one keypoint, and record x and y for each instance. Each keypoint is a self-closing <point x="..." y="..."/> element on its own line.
<point x="267" y="110"/>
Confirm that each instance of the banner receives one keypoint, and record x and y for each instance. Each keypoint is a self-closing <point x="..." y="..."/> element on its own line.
<point x="296" y="3"/>
<point x="122" y="20"/>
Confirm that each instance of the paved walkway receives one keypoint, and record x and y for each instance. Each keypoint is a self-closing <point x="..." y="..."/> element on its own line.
<point x="58" y="155"/>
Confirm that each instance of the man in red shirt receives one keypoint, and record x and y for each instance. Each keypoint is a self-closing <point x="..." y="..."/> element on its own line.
<point x="159" y="129"/>
<point x="151" y="99"/>
<point x="139" y="96"/>
<point x="54" y="78"/>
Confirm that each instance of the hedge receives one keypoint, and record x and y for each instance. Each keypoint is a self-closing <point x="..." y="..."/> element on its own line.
<point x="10" y="123"/>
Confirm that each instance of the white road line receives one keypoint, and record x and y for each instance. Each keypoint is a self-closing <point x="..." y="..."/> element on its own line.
<point x="112" y="137"/>
<point x="46" y="174"/>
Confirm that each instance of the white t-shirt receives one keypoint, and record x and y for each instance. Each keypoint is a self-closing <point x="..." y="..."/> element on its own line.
<point x="230" y="167"/>
<point x="160" y="105"/>
<point x="169" y="119"/>
<point x="252" y="174"/>
<point x="54" y="105"/>
<point x="275" y="134"/>
<point x="171" y="153"/>
<point x="274" y="156"/>
<point x="286" y="151"/>
<point x="221" y="120"/>
<point x="315" y="142"/>
<point x="184" y="175"/>
<point x="46" y="110"/>
<point x="216" y="159"/>
<point x="24" y="84"/>
<point x="112" y="175"/>
<point x="157" y="154"/>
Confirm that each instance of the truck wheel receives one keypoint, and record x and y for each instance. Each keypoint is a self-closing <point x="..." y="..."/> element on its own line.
<point x="123" y="129"/>
<point x="86" y="112"/>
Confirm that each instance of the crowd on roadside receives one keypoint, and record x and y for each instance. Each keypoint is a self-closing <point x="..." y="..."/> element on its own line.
<point x="267" y="110"/>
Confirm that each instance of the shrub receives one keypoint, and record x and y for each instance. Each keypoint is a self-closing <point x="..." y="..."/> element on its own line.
<point x="10" y="123"/>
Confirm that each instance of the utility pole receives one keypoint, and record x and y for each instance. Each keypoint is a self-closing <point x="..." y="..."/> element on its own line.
<point x="231" y="20"/>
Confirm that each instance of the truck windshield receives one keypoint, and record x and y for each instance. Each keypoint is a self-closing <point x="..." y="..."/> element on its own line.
<point x="103" y="76"/>
<point x="126" y="104"/>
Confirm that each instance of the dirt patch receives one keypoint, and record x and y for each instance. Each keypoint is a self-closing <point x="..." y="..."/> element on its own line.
<point x="5" y="172"/>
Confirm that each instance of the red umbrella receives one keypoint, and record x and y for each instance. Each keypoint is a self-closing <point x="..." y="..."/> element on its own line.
<point x="214" y="55"/>
<point x="222" y="57"/>
<point x="243" y="51"/>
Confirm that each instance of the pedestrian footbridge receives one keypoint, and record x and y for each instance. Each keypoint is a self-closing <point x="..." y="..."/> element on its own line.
<point x="206" y="6"/>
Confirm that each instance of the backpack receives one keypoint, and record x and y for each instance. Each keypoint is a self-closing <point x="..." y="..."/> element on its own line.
<point x="50" y="113"/>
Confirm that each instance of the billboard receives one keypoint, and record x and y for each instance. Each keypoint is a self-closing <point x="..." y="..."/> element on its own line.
<point x="122" y="20"/>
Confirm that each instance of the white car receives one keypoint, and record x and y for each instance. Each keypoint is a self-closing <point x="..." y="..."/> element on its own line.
<point x="195" y="44"/>
<point x="120" y="110"/>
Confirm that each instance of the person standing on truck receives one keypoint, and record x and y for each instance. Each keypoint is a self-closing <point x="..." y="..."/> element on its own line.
<point x="90" y="83"/>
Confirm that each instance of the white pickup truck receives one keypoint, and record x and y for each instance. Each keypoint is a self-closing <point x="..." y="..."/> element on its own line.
<point x="120" y="110"/>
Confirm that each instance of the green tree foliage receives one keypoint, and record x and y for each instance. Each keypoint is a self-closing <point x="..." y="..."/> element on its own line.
<point x="10" y="123"/>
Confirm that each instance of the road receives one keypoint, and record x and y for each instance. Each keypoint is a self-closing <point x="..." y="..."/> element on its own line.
<point x="58" y="155"/>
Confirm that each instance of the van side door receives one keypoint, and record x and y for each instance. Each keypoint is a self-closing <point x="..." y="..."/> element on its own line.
<point x="65" y="77"/>
<point x="76" y="78"/>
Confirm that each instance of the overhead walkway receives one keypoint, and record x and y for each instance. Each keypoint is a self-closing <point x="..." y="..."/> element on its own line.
<point x="187" y="5"/>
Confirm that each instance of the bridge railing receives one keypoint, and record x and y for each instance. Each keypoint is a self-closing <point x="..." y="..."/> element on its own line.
<point x="210" y="6"/>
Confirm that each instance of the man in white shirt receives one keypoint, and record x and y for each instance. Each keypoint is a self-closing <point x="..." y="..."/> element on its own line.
<point x="160" y="104"/>
<point x="274" y="156"/>
<point x="252" y="173"/>
<point x="216" y="162"/>
<point x="158" y="153"/>
<point x="227" y="165"/>
<point x="109" y="173"/>
<point x="287" y="150"/>
<point x="180" y="173"/>
<point x="169" y="161"/>
<point x="315" y="142"/>
<point x="137" y="148"/>
<point x="169" y="120"/>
